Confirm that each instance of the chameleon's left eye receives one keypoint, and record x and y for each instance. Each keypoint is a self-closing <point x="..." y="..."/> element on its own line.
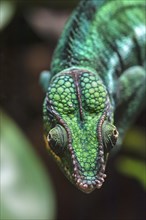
<point x="57" y="139"/>
<point x="110" y="135"/>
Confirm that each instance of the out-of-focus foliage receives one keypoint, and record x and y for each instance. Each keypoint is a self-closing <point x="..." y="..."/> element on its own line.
<point x="135" y="143"/>
<point x="7" y="9"/>
<point x="133" y="168"/>
<point x="41" y="15"/>
<point x="26" y="189"/>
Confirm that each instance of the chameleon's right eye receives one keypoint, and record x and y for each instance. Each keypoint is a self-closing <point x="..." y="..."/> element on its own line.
<point x="57" y="139"/>
<point x="110" y="135"/>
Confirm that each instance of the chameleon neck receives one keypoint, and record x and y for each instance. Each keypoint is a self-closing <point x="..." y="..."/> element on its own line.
<point x="93" y="38"/>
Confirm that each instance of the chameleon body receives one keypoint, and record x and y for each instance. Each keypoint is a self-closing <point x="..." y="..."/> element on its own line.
<point x="97" y="86"/>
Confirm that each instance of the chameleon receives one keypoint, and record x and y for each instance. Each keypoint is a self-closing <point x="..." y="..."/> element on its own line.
<point x="95" y="87"/>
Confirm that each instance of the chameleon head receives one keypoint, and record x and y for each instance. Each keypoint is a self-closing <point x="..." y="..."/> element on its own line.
<point x="79" y="129"/>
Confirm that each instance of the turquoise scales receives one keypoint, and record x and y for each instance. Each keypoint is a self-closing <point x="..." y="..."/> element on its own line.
<point x="97" y="87"/>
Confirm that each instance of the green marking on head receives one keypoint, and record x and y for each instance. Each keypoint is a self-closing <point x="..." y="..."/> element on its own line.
<point x="85" y="144"/>
<point x="93" y="92"/>
<point x="61" y="93"/>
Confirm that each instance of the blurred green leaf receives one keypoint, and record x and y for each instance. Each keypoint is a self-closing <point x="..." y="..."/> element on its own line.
<point x="26" y="189"/>
<point x="133" y="168"/>
<point x="134" y="144"/>
<point x="135" y="141"/>
<point x="7" y="10"/>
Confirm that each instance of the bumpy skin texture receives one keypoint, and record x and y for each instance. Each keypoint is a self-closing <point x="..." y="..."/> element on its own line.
<point x="97" y="87"/>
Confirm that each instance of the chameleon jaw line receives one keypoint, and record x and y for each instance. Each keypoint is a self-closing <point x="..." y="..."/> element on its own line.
<point x="85" y="184"/>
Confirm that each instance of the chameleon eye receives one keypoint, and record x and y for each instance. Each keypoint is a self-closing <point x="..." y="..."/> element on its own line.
<point x="110" y="135"/>
<point x="57" y="139"/>
<point x="114" y="136"/>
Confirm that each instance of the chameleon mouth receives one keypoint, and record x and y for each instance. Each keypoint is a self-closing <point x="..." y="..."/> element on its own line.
<point x="88" y="184"/>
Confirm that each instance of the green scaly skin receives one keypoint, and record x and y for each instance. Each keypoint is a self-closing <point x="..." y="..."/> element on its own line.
<point x="97" y="87"/>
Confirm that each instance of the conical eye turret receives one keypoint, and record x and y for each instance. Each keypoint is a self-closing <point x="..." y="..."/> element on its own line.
<point x="57" y="139"/>
<point x="110" y="135"/>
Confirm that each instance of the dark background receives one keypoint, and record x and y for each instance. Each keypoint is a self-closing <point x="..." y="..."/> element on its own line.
<point x="27" y="44"/>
